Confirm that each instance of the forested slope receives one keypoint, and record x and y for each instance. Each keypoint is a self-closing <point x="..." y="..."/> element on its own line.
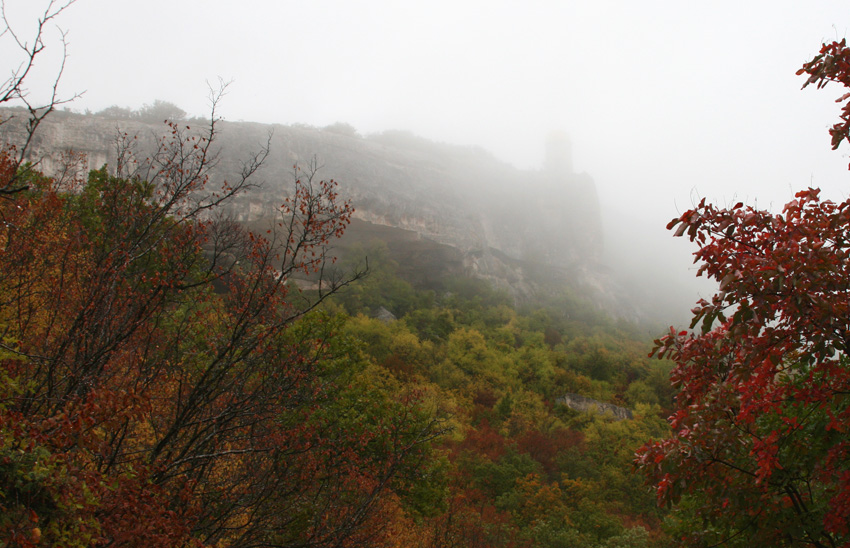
<point x="166" y="383"/>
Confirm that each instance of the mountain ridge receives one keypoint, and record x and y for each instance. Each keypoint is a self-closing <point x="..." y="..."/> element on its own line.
<point x="529" y="232"/>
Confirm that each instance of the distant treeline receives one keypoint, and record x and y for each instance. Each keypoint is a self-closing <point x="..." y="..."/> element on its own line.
<point x="157" y="111"/>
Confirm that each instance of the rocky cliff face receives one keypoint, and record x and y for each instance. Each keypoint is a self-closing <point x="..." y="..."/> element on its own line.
<point x="584" y="404"/>
<point x="504" y="224"/>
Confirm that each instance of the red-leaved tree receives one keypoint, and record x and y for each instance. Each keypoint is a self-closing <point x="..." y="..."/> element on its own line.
<point x="759" y="453"/>
<point x="162" y="381"/>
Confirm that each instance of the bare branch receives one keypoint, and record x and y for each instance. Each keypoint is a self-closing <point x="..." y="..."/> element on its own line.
<point x="13" y="89"/>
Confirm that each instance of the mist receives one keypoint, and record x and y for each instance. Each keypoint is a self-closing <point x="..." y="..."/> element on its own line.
<point x="663" y="103"/>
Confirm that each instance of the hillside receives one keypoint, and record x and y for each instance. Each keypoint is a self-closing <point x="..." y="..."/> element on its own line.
<point x="173" y="387"/>
<point x="443" y="210"/>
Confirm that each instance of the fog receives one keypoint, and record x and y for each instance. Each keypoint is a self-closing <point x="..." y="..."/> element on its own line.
<point x="664" y="102"/>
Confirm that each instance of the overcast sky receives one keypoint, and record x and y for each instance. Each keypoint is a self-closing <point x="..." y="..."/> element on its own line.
<point x="663" y="100"/>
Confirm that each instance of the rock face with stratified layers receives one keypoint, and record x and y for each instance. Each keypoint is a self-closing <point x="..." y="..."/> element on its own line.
<point x="513" y="227"/>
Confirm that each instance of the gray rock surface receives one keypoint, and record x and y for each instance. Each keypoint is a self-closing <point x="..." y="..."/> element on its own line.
<point x="513" y="227"/>
<point x="585" y="404"/>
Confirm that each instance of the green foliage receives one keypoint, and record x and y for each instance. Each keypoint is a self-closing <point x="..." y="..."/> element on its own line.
<point x="168" y="387"/>
<point x="549" y="476"/>
<point x="498" y="479"/>
<point x="431" y="324"/>
<point x="382" y="287"/>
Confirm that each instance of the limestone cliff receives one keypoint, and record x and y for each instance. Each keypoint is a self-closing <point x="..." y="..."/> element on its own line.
<point x="513" y="227"/>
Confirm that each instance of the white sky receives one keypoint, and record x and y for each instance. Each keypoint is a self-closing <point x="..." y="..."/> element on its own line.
<point x="664" y="100"/>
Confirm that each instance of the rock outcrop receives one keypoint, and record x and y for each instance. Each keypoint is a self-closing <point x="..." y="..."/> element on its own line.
<point x="585" y="404"/>
<point x="513" y="227"/>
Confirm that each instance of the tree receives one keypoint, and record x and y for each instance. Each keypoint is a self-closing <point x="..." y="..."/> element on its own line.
<point x="760" y="447"/>
<point x="163" y="384"/>
<point x="121" y="113"/>
<point x="13" y="90"/>
<point x="159" y="111"/>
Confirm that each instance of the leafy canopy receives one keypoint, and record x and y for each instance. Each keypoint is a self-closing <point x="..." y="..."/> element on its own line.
<point x="759" y="452"/>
